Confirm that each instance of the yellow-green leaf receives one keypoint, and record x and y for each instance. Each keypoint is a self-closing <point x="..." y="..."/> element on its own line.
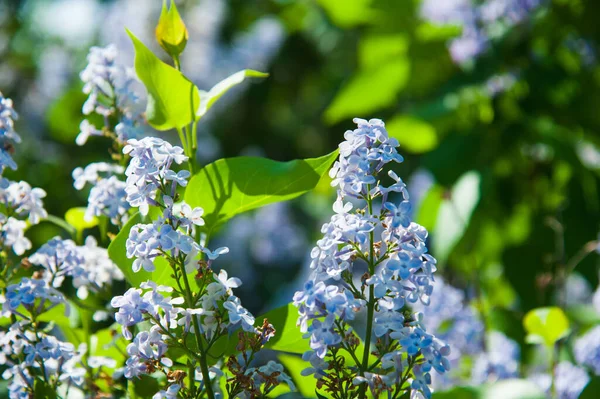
<point x="172" y="98"/>
<point x="414" y="135"/>
<point x="346" y="14"/>
<point x="454" y="215"/>
<point x="207" y="99"/>
<point x="546" y="325"/>
<point x="76" y="218"/>
<point x="369" y="90"/>
<point x="231" y="186"/>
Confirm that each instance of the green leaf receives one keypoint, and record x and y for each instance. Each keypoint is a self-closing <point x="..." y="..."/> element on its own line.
<point x="505" y="389"/>
<point x="117" y="253"/>
<point x="103" y="343"/>
<point x="76" y="218"/>
<point x="375" y="49"/>
<point x="546" y="325"/>
<point x="207" y="99"/>
<point x="585" y="315"/>
<point x="172" y="98"/>
<point x="430" y="205"/>
<point x="512" y="389"/>
<point x="55" y="220"/>
<point x="370" y="90"/>
<point x="231" y="186"/>
<point x="592" y="389"/>
<point x="294" y="365"/>
<point x="458" y="393"/>
<point x="414" y="135"/>
<point x="433" y="32"/>
<point x="146" y="386"/>
<point x="346" y="13"/>
<point x="320" y="396"/>
<point x="454" y="215"/>
<point x="288" y="337"/>
<point x="43" y="390"/>
<point x="171" y="33"/>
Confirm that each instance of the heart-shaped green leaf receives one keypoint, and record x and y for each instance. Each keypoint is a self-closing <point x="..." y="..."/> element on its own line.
<point x="231" y="186"/>
<point x="172" y="98"/>
<point x="546" y="325"/>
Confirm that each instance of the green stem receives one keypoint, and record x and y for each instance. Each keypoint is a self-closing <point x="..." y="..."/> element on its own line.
<point x="183" y="139"/>
<point x="194" y="136"/>
<point x="370" y="305"/>
<point x="553" y="364"/>
<point x="203" y="364"/>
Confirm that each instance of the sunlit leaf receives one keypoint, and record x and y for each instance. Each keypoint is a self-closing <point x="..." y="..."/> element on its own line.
<point x="294" y="365"/>
<point x="117" y="253"/>
<point x="414" y="135"/>
<point x="231" y="186"/>
<point x="172" y="98"/>
<point x="369" y="90"/>
<point x="427" y="31"/>
<point x="288" y="337"/>
<point x="454" y="215"/>
<point x="349" y="13"/>
<point x="546" y="325"/>
<point x="207" y="99"/>
<point x="513" y="389"/>
<point x="428" y="209"/>
<point x="376" y="49"/>
<point x="76" y="218"/>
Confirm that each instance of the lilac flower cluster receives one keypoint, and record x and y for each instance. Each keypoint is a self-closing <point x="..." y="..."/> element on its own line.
<point x="8" y="135"/>
<point x="212" y="310"/>
<point x="587" y="350"/>
<point x="400" y="272"/>
<point x="481" y="23"/>
<point x="462" y="328"/>
<point x="499" y="361"/>
<point x="569" y="381"/>
<point x="28" y="350"/>
<point x="150" y="169"/>
<point x="107" y="196"/>
<point x="20" y="201"/>
<point x="108" y="85"/>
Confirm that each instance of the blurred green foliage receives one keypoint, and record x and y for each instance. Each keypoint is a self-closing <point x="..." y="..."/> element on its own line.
<point x="515" y="190"/>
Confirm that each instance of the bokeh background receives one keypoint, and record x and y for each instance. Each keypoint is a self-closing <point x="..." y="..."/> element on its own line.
<point x="496" y="105"/>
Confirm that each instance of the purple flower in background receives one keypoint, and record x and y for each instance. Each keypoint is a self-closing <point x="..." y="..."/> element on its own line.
<point x="569" y="381"/>
<point x="480" y="22"/>
<point x="8" y="135"/>
<point x="500" y="360"/>
<point x="587" y="350"/>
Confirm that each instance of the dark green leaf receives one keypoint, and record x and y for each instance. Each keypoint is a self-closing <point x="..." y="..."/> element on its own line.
<point x="592" y="389"/>
<point x="43" y="390"/>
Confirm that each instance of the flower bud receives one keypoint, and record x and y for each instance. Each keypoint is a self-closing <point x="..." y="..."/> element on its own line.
<point x="171" y="33"/>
